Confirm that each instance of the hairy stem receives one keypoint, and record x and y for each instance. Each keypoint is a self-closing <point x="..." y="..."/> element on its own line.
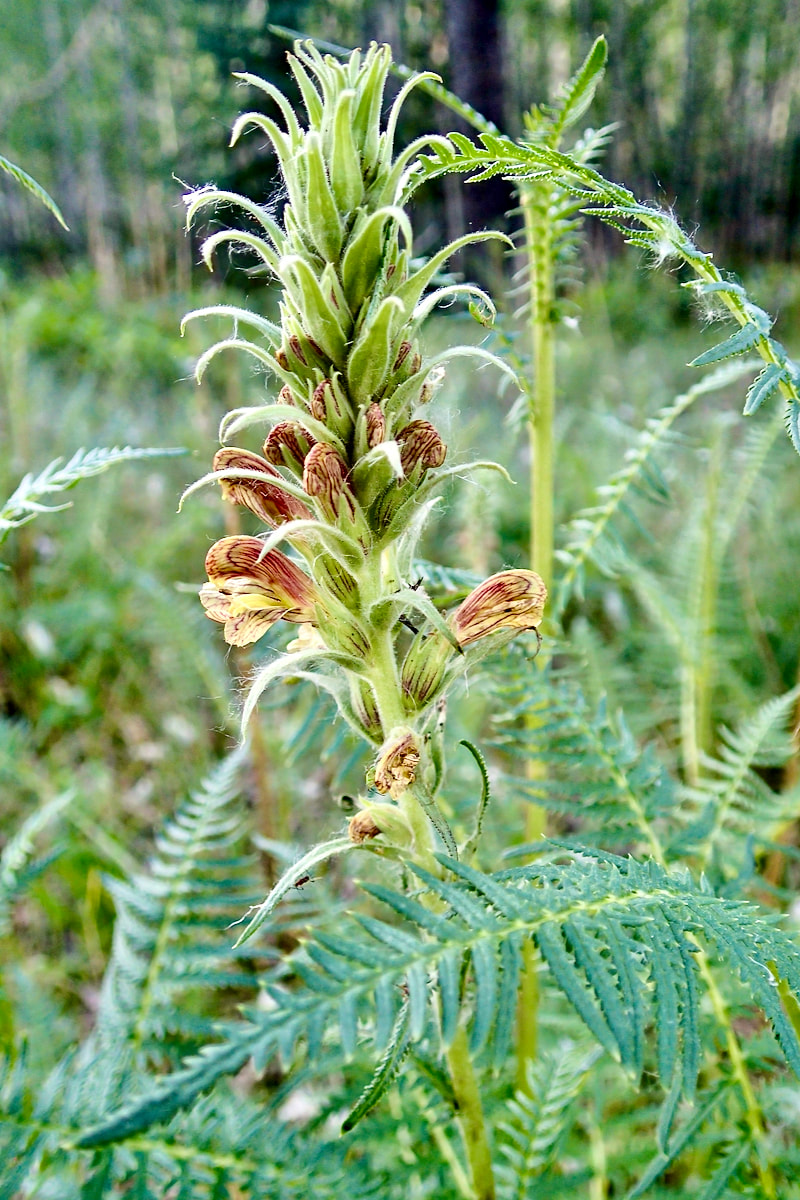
<point x="470" y="1116"/>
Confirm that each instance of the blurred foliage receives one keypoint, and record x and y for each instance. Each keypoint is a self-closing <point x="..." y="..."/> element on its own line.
<point x="109" y="103"/>
<point x="116" y="697"/>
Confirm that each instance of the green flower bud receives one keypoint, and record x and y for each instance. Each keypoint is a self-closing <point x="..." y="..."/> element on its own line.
<point x="423" y="669"/>
<point x="346" y="178"/>
<point x="337" y="579"/>
<point x="371" y="357"/>
<point x="365" y="708"/>
<point x="322" y="216"/>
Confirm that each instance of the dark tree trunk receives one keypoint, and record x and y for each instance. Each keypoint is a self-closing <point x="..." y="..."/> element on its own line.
<point x="476" y="75"/>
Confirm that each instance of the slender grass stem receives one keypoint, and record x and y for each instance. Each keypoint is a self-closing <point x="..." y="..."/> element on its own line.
<point x="752" y="1110"/>
<point x="535" y="203"/>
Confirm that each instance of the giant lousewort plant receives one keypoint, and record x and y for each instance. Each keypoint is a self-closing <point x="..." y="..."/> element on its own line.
<point x="350" y="468"/>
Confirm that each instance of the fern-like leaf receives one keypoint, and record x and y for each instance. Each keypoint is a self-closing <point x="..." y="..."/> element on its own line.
<point x="588" y="532"/>
<point x="17" y="865"/>
<point x="539" y="1118"/>
<point x="618" y="936"/>
<point x="731" y="800"/>
<point x="28" y="500"/>
<point x="170" y="933"/>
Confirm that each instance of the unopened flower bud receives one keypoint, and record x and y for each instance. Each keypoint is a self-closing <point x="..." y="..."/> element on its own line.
<point x="424" y="667"/>
<point x="346" y="636"/>
<point x="398" y="760"/>
<point x="325" y="478"/>
<point x="376" y="425"/>
<point x="365" y="708"/>
<point x="337" y="578"/>
<point x="297" y="350"/>
<point x="508" y="600"/>
<point x="402" y="355"/>
<point x="282" y="358"/>
<point x="267" y="499"/>
<point x="287" y="446"/>
<point x="420" y="445"/>
<point x="321" y="399"/>
<point x="285" y="395"/>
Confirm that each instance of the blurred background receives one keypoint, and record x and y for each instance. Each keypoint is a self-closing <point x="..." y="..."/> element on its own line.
<point x="113" y="685"/>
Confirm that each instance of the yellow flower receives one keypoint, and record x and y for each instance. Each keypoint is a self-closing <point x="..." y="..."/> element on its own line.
<point x="248" y="591"/>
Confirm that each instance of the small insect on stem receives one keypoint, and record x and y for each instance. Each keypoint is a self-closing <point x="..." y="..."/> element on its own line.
<point x="303" y="880"/>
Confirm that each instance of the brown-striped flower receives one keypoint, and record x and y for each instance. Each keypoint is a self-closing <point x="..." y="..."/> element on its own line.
<point x="325" y="478"/>
<point x="267" y="499"/>
<point x="248" y="590"/>
<point x="508" y="600"/>
<point x="420" y="445"/>
<point x="376" y="425"/>
<point x="287" y="445"/>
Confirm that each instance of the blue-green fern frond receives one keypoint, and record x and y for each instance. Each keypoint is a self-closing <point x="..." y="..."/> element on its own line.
<point x="595" y="771"/>
<point x="732" y="802"/>
<point x="619" y="937"/>
<point x="171" y="933"/>
<point x="33" y="494"/>
<point x="538" y="1118"/>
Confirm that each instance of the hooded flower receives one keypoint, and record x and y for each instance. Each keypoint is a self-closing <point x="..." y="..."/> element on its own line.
<point x="507" y="600"/>
<point x="248" y="590"/>
<point x="420" y="444"/>
<point x="268" y="500"/>
<point x="325" y="478"/>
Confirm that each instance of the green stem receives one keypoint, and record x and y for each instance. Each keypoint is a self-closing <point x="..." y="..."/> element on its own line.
<point x="752" y="1109"/>
<point x="470" y="1116"/>
<point x="385" y="682"/>
<point x="535" y="207"/>
<point x="538" y="239"/>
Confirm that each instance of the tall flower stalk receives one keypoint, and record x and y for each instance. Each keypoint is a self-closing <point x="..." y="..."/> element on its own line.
<point x="349" y="471"/>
